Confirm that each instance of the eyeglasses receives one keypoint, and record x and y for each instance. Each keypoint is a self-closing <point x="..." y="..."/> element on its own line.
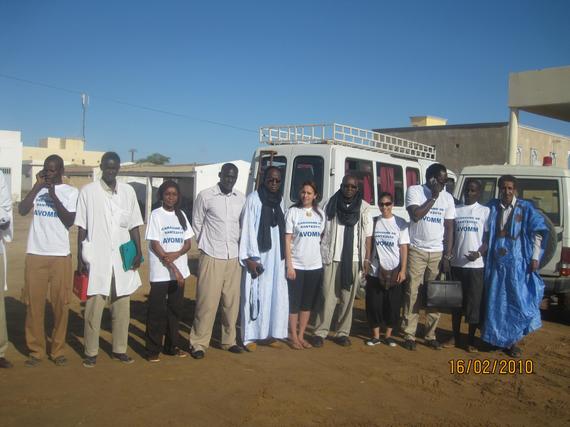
<point x="385" y="204"/>
<point x="275" y="180"/>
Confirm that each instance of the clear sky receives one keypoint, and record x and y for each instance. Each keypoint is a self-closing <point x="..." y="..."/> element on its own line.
<point x="225" y="68"/>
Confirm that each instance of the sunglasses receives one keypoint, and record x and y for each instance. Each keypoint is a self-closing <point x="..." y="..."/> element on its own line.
<point x="382" y="205"/>
<point x="275" y="180"/>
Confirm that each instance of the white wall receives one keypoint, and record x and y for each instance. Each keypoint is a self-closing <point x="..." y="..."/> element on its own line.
<point x="11" y="158"/>
<point x="207" y="176"/>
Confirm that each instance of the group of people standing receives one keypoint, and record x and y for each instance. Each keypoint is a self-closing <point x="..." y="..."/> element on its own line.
<point x="273" y="268"/>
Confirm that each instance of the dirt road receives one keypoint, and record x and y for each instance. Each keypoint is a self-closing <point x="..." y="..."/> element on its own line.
<point x="333" y="385"/>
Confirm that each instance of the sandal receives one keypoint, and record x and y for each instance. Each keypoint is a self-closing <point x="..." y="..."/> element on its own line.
<point x="306" y="344"/>
<point x="514" y="352"/>
<point x="295" y="345"/>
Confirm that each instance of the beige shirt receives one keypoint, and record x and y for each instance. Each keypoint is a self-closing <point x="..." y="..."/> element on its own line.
<point x="216" y="222"/>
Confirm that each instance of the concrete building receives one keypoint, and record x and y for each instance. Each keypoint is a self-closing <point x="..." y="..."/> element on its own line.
<point x="486" y="143"/>
<point x="71" y="150"/>
<point x="11" y="160"/>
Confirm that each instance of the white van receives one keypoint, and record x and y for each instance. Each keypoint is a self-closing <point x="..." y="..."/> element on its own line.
<point x="325" y="153"/>
<point x="548" y="188"/>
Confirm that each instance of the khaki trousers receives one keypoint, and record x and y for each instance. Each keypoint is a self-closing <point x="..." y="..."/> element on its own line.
<point x="421" y="266"/>
<point x="3" y="327"/>
<point x="217" y="279"/>
<point x="332" y="291"/>
<point x="43" y="274"/>
<point x="120" y="314"/>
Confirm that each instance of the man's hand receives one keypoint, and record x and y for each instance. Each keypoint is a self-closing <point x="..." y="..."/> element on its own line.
<point x="252" y="267"/>
<point x="445" y="265"/>
<point x="434" y="187"/>
<point x="136" y="261"/>
<point x="82" y="267"/>
<point x="534" y="264"/>
<point x="473" y="255"/>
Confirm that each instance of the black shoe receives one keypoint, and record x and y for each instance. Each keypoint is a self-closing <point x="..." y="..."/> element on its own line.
<point x="433" y="344"/>
<point x="343" y="341"/>
<point x="410" y="345"/>
<point x="317" y="341"/>
<point x="197" y="354"/>
<point x="60" y="361"/>
<point x="5" y="363"/>
<point x="235" y="349"/>
<point x="32" y="362"/>
<point x="123" y="358"/>
<point x="89" y="361"/>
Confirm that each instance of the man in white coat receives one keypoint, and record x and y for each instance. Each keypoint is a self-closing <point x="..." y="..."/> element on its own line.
<point x="6" y="230"/>
<point x="108" y="216"/>
<point x="265" y="298"/>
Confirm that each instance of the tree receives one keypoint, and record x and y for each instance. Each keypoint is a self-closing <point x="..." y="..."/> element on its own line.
<point x="155" y="158"/>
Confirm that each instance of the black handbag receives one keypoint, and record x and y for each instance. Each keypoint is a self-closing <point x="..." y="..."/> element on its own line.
<point x="444" y="294"/>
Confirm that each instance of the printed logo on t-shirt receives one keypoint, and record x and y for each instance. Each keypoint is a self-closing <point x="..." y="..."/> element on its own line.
<point x="469" y="224"/>
<point x="172" y="235"/>
<point x="309" y="229"/>
<point x="435" y="215"/>
<point x="44" y="206"/>
<point x="385" y="238"/>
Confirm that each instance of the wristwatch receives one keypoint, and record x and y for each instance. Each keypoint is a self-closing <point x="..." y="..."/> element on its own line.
<point x="448" y="257"/>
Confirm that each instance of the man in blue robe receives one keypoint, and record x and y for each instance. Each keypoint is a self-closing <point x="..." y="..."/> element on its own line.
<point x="513" y="286"/>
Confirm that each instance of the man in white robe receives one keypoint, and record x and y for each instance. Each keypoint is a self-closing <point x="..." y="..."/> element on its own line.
<point x="265" y="300"/>
<point x="108" y="216"/>
<point x="6" y="231"/>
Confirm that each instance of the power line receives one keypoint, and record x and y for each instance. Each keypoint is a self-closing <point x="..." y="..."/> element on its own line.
<point x="128" y="104"/>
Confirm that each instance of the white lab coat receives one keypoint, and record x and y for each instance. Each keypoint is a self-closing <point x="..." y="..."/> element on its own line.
<point x="108" y="219"/>
<point x="6" y="215"/>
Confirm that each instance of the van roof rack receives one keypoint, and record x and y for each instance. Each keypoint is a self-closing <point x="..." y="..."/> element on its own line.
<point x="344" y="135"/>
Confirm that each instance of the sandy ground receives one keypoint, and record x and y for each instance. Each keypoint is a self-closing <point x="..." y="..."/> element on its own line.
<point x="333" y="385"/>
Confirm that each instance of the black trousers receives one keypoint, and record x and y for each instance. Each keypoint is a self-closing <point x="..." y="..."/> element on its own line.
<point x="382" y="305"/>
<point x="165" y="302"/>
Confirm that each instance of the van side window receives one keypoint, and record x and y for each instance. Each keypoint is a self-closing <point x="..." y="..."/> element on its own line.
<point x="390" y="178"/>
<point x="544" y="194"/>
<point x="362" y="170"/>
<point x="412" y="177"/>
<point x="278" y="161"/>
<point x="307" y="168"/>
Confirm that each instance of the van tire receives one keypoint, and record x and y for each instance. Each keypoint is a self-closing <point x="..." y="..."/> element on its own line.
<point x="552" y="242"/>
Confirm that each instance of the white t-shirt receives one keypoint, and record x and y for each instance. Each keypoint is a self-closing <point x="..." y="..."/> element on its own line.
<point x="165" y="228"/>
<point x="427" y="233"/>
<point x="389" y="234"/>
<point x="48" y="236"/>
<point x="471" y="222"/>
<point x="306" y="227"/>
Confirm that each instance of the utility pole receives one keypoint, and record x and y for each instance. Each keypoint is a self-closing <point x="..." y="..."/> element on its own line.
<point x="132" y="151"/>
<point x="84" y="104"/>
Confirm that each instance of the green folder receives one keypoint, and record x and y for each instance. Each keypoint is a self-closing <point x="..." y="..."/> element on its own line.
<point x="128" y="252"/>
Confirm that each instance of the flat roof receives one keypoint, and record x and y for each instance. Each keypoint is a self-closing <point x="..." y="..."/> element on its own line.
<point x="445" y="127"/>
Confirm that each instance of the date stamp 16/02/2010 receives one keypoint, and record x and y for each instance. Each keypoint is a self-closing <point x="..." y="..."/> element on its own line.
<point x="491" y="366"/>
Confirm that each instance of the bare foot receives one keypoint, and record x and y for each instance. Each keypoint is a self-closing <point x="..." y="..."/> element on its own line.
<point x="306" y="344"/>
<point x="295" y="344"/>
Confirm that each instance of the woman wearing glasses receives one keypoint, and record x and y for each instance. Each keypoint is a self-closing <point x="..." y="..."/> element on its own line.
<point x="387" y="272"/>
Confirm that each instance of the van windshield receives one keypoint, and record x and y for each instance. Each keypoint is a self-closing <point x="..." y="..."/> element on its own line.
<point x="307" y="168"/>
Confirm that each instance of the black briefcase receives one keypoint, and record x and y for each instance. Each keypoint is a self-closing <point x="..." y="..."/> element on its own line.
<point x="444" y="294"/>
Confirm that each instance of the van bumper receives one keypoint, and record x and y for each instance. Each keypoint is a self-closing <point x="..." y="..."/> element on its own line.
<point x="556" y="285"/>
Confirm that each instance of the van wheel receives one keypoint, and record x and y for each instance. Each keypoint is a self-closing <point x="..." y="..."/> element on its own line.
<point x="552" y="242"/>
